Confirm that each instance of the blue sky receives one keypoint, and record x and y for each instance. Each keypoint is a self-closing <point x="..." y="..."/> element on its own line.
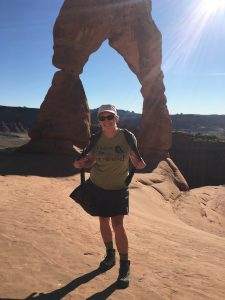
<point x="193" y="57"/>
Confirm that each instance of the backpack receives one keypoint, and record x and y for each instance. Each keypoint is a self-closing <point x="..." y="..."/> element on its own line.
<point x="93" y="141"/>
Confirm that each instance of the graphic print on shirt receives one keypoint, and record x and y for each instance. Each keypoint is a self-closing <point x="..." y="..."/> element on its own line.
<point x="110" y="153"/>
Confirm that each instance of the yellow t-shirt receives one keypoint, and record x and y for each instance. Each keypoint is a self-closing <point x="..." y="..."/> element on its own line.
<point x="110" y="168"/>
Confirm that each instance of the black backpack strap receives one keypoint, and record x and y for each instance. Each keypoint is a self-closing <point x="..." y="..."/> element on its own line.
<point x="92" y="142"/>
<point x="132" y="143"/>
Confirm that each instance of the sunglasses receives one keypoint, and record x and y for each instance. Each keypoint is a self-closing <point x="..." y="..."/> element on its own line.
<point x="103" y="118"/>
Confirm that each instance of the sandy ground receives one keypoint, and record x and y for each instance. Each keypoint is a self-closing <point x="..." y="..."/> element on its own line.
<point x="51" y="249"/>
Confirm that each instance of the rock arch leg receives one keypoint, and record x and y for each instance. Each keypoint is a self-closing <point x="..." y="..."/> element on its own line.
<point x="63" y="119"/>
<point x="143" y="56"/>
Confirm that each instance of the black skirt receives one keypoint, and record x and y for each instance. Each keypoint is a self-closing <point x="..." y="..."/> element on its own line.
<point x="109" y="203"/>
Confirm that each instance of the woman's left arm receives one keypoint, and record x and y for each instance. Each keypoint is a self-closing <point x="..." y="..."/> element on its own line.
<point x="138" y="164"/>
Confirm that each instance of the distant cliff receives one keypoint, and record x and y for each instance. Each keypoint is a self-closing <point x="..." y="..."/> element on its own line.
<point x="198" y="141"/>
<point x="200" y="158"/>
<point x="16" y="119"/>
<point x="204" y="124"/>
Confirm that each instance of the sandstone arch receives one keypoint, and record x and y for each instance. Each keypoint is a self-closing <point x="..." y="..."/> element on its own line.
<point x="80" y="29"/>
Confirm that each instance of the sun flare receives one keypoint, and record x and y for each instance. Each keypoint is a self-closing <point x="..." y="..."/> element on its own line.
<point x="192" y="28"/>
<point x="212" y="7"/>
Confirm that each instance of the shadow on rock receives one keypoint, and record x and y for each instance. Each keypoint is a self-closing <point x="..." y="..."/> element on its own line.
<point x="62" y="292"/>
<point x="45" y="165"/>
<point x="105" y="293"/>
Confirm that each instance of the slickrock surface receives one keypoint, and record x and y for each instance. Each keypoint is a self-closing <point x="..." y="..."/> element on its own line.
<point x="50" y="246"/>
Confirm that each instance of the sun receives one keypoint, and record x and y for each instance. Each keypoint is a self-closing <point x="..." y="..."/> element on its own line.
<point x="212" y="7"/>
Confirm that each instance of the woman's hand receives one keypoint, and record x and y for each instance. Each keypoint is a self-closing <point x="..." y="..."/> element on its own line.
<point x="138" y="164"/>
<point x="84" y="162"/>
<point x="80" y="164"/>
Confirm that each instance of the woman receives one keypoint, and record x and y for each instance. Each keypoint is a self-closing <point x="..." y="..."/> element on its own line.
<point x="109" y="161"/>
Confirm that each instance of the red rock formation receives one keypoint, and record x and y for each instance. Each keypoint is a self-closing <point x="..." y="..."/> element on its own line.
<point x="80" y="29"/>
<point x="63" y="119"/>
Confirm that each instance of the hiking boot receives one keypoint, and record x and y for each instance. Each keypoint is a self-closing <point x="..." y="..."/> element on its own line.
<point x="124" y="274"/>
<point x="109" y="260"/>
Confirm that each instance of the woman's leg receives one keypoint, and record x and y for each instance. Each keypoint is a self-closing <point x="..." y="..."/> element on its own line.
<point x="122" y="247"/>
<point x="120" y="235"/>
<point x="106" y="232"/>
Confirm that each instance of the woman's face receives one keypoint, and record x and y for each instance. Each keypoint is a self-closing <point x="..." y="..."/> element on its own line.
<point x="107" y="120"/>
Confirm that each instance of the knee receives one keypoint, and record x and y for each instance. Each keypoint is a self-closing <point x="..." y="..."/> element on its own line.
<point x="104" y="222"/>
<point x="117" y="226"/>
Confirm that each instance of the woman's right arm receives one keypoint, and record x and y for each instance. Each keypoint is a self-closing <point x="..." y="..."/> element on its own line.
<point x="85" y="162"/>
